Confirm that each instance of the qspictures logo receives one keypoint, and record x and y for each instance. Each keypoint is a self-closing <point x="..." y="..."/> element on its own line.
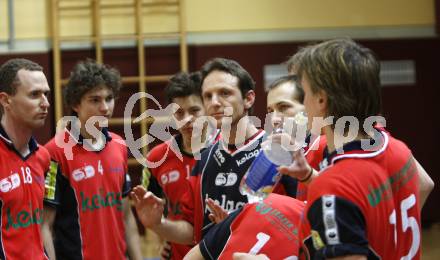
<point x="23" y="218"/>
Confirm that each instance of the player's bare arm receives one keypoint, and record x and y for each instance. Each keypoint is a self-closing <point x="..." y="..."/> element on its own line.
<point x="426" y="183"/>
<point x="150" y="210"/>
<point x="299" y="169"/>
<point x="194" y="254"/>
<point x="131" y="232"/>
<point x="47" y="230"/>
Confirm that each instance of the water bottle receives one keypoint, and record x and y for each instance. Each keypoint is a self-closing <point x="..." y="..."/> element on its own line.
<point x="262" y="176"/>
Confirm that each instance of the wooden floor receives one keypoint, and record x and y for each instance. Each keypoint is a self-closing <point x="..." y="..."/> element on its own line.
<point x="430" y="244"/>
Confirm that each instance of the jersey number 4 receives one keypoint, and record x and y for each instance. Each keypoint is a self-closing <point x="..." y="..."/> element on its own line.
<point x="407" y="222"/>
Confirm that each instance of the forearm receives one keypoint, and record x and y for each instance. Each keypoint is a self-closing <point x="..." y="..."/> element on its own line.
<point x="132" y="238"/>
<point x="48" y="242"/>
<point x="425" y="182"/>
<point x="47" y="231"/>
<point x="177" y="231"/>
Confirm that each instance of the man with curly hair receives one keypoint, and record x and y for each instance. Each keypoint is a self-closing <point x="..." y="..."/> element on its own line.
<point x="87" y="214"/>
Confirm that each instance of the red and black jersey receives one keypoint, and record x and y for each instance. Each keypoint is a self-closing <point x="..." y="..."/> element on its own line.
<point x="87" y="189"/>
<point x="270" y="227"/>
<point x="365" y="202"/>
<point x="314" y="153"/>
<point x="171" y="169"/>
<point x="217" y="175"/>
<point x="21" y="199"/>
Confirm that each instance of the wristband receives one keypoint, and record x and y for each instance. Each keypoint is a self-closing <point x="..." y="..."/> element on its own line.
<point x="308" y="176"/>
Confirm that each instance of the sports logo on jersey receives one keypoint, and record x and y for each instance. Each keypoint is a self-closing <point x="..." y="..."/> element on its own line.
<point x="317" y="241"/>
<point x="24" y="218"/>
<point x="50" y="181"/>
<point x="170" y="177"/>
<point x="227" y="204"/>
<point x="226" y="179"/>
<point x="247" y="156"/>
<point x="9" y="183"/>
<point x="82" y="173"/>
<point x="218" y="157"/>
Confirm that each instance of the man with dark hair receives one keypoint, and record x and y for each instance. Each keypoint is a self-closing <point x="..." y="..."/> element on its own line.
<point x="23" y="162"/>
<point x="365" y="202"/>
<point x="228" y="95"/>
<point x="175" y="158"/>
<point x="285" y="100"/>
<point x="86" y="204"/>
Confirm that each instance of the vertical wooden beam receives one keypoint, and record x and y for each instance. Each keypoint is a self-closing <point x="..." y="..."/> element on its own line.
<point x="437" y="17"/>
<point x="142" y="70"/>
<point x="56" y="60"/>
<point x="96" y="25"/>
<point x="182" y="36"/>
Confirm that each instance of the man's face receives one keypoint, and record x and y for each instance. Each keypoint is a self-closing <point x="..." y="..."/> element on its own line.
<point x="190" y="108"/>
<point x="29" y="106"/>
<point x="221" y="94"/>
<point x="99" y="101"/>
<point x="281" y="103"/>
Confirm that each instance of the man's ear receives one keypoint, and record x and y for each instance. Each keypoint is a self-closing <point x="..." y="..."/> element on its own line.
<point x="249" y="99"/>
<point x="4" y="100"/>
<point x="322" y="101"/>
<point x="75" y="108"/>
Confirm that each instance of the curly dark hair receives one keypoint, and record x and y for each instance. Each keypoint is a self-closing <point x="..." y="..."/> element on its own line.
<point x="183" y="84"/>
<point x="8" y="73"/>
<point x="87" y="75"/>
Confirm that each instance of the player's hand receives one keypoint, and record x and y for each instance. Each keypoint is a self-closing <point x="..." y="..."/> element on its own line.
<point x="149" y="208"/>
<point x="165" y="250"/>
<point x="218" y="214"/>
<point x="246" y="256"/>
<point x="299" y="169"/>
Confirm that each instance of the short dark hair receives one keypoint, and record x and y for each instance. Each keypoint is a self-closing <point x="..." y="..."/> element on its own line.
<point x="348" y="73"/>
<point x="183" y="84"/>
<point x="8" y="73"/>
<point x="293" y="61"/>
<point x="245" y="81"/>
<point x="299" y="92"/>
<point x="85" y="76"/>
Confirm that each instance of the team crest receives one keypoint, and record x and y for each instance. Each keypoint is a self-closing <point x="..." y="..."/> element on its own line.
<point x="226" y="179"/>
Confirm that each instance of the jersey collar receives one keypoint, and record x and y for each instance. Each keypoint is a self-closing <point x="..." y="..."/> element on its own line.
<point x="32" y="144"/>
<point x="179" y="141"/>
<point x="355" y="149"/>
<point x="234" y="149"/>
<point x="79" y="139"/>
<point x="104" y="131"/>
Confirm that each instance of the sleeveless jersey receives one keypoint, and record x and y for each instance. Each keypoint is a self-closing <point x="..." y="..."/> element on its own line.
<point x="270" y="227"/>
